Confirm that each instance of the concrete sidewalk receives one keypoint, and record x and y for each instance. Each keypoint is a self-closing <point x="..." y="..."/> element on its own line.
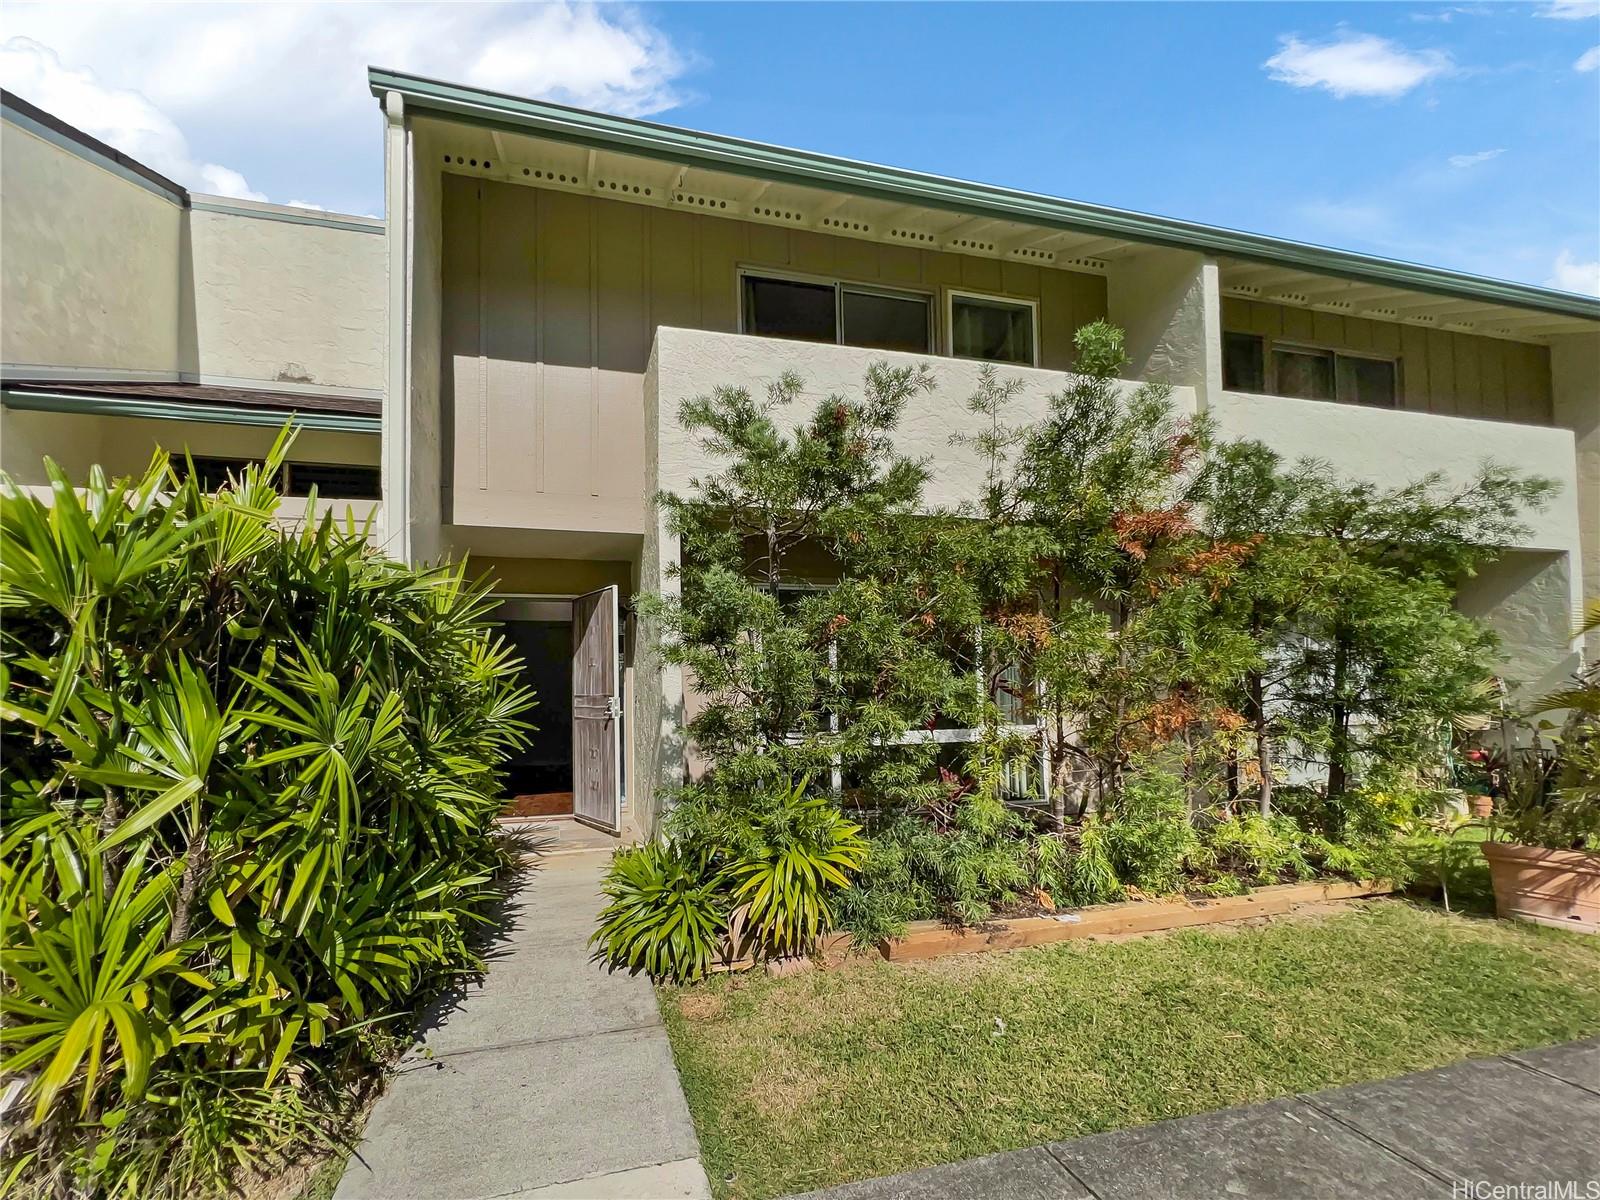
<point x="550" y="1078"/>
<point x="1528" y="1118"/>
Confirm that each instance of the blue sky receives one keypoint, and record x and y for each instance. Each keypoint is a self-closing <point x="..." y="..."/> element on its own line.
<point x="1465" y="136"/>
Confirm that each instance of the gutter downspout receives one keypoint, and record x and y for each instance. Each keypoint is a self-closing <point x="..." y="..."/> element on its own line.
<point x="396" y="432"/>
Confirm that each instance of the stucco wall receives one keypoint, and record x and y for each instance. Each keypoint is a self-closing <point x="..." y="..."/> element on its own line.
<point x="551" y="302"/>
<point x="429" y="437"/>
<point x="691" y="362"/>
<point x="92" y="264"/>
<point x="1524" y="598"/>
<point x="1166" y="304"/>
<point x="1575" y="382"/>
<point x="1441" y="371"/>
<point x="279" y="301"/>
<point x="1387" y="447"/>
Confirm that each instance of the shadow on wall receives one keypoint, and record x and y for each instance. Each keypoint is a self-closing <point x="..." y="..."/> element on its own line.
<point x="1525" y="597"/>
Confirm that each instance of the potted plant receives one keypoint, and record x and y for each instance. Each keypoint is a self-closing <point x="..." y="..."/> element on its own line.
<point x="1544" y="842"/>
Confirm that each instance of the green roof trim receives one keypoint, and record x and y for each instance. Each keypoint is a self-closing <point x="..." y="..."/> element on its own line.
<point x="758" y="160"/>
<point x="175" y="410"/>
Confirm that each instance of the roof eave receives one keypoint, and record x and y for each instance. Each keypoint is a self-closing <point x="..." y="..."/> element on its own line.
<point x="756" y="160"/>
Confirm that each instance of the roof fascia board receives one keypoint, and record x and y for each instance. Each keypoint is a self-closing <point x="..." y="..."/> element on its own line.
<point x="171" y="410"/>
<point x="755" y="160"/>
<point x="74" y="141"/>
<point x="227" y="206"/>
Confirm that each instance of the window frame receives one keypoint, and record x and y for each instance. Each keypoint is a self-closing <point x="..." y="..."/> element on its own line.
<point x="1336" y="353"/>
<point x="951" y="294"/>
<point x="1269" y="367"/>
<point x="839" y="285"/>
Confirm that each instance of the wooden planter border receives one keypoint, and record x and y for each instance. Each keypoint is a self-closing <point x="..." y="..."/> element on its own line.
<point x="934" y="939"/>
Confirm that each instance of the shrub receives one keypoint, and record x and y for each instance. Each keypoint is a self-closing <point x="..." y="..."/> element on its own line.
<point x="249" y="805"/>
<point x="667" y="915"/>
<point x="1148" y="836"/>
<point x="757" y="882"/>
<point x="782" y="887"/>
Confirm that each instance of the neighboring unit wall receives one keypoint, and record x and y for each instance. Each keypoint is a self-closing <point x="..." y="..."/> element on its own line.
<point x="551" y="302"/>
<point x="287" y="299"/>
<point x="1441" y="371"/>
<point x="112" y="276"/>
<point x="93" y="257"/>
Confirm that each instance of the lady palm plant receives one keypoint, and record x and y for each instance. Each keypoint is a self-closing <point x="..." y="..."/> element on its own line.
<point x="249" y="803"/>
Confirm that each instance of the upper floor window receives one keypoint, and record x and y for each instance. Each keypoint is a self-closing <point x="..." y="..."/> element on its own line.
<point x="1307" y="372"/>
<point x="844" y="313"/>
<point x="993" y="329"/>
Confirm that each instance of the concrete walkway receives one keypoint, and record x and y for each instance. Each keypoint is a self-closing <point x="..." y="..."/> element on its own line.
<point x="1452" y="1134"/>
<point x="551" y="1078"/>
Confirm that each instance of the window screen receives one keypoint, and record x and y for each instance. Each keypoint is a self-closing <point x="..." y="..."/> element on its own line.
<point x="1243" y="362"/>
<point x="790" y="308"/>
<point x="1366" y="381"/>
<point x="1304" y="374"/>
<point x="345" y="480"/>
<point x="210" y="471"/>
<point x="882" y="321"/>
<point x="993" y="330"/>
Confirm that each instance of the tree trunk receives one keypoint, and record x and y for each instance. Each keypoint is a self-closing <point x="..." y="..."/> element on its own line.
<point x="1258" y="714"/>
<point x="1058" y="775"/>
<point x="1339" y="741"/>
<point x="196" y="863"/>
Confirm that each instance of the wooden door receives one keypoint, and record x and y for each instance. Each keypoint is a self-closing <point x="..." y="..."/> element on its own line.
<point x="596" y="711"/>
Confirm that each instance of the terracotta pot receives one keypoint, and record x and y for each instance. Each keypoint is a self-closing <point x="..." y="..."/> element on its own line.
<point x="1481" y="805"/>
<point x="1549" y="887"/>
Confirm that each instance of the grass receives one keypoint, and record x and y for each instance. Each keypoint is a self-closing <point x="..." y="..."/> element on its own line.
<point x="876" y="1068"/>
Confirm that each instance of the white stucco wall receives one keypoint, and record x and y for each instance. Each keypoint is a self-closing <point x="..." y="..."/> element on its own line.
<point x="92" y="265"/>
<point x="1575" y="392"/>
<point x="1168" y="304"/>
<point x="688" y="363"/>
<point x="1523" y="596"/>
<point x="284" y="298"/>
<point x="1391" y="447"/>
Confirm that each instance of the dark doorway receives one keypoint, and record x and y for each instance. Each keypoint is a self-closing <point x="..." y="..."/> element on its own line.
<point x="539" y="777"/>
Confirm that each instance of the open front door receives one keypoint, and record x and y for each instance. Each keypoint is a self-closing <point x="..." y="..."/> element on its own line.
<point x="596" y="711"/>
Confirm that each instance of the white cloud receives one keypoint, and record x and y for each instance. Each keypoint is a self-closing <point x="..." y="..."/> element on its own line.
<point x="1589" y="60"/>
<point x="1355" y="64"/>
<point x="1462" y="161"/>
<point x="1570" y="275"/>
<point x="1571" y="10"/>
<point x="281" y="88"/>
<point x="120" y="117"/>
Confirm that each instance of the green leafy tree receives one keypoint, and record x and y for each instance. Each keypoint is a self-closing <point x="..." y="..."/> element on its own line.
<point x="1386" y="661"/>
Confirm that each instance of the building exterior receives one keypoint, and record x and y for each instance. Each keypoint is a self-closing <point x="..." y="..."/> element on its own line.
<point x="550" y="284"/>
<point x="133" y="314"/>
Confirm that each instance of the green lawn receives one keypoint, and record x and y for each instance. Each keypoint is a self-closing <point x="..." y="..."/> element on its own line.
<point x="875" y="1068"/>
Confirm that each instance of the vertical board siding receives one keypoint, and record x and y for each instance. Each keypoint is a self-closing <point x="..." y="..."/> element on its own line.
<point x="552" y="301"/>
<point x="1441" y="371"/>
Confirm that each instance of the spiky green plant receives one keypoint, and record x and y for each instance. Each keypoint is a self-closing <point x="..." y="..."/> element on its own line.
<point x="667" y="914"/>
<point x="249" y="802"/>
